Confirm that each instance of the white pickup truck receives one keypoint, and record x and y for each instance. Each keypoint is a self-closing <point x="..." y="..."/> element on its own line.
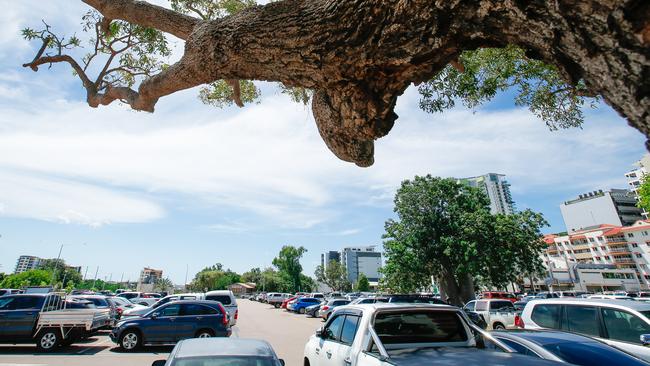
<point x="44" y="319"/>
<point x="414" y="334"/>
<point x="498" y="314"/>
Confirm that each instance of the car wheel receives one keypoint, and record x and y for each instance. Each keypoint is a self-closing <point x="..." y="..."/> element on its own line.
<point x="301" y="311"/>
<point x="277" y="306"/>
<point x="204" y="333"/>
<point x="499" y="326"/>
<point x="130" y="340"/>
<point x="48" y="339"/>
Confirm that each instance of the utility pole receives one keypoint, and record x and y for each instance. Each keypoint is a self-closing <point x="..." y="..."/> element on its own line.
<point x="122" y="278"/>
<point x="95" y="279"/>
<point x="85" y="273"/>
<point x="56" y="264"/>
<point x="187" y="270"/>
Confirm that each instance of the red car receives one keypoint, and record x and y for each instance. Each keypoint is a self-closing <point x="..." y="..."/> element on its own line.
<point x="285" y="302"/>
<point x="499" y="295"/>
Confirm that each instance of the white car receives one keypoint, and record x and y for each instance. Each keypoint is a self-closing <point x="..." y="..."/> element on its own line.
<point x="141" y="310"/>
<point x="141" y="298"/>
<point x="498" y="314"/>
<point x="227" y="299"/>
<point x="624" y="324"/>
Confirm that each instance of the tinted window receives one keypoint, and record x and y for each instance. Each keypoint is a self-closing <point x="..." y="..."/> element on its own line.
<point x="6" y="303"/>
<point x="501" y="305"/>
<point x="517" y="347"/>
<point x="592" y="354"/>
<point x="419" y="327"/>
<point x="481" y="305"/>
<point x="224" y="299"/>
<point x="171" y="310"/>
<point x="582" y="319"/>
<point x="547" y="316"/>
<point x="623" y="326"/>
<point x="340" y="302"/>
<point x="100" y="303"/>
<point x="196" y="309"/>
<point x="349" y="329"/>
<point x="27" y="302"/>
<point x="129" y="296"/>
<point x="225" y="361"/>
<point x="470" y="305"/>
<point x="333" y="331"/>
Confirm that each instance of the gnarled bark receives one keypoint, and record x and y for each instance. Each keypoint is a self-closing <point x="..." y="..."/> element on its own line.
<point x="360" y="55"/>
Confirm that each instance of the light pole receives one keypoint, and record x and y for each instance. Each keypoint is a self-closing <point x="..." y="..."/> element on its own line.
<point x="56" y="264"/>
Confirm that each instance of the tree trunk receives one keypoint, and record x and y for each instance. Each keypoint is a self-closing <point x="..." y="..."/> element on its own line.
<point x="360" y="55"/>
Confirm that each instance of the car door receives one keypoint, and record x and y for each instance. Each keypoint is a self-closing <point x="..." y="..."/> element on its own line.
<point x="190" y="321"/>
<point x="582" y="319"/>
<point x="328" y="346"/>
<point x="624" y="329"/>
<point x="161" y="326"/>
<point x="6" y="305"/>
<point x="20" y="318"/>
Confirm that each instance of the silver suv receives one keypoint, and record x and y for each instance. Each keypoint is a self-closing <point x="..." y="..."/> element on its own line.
<point x="227" y="299"/>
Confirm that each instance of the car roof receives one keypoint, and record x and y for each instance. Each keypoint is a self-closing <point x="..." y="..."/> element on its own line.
<point x="545" y="337"/>
<point x="206" y="302"/>
<point x="32" y="295"/>
<point x="219" y="292"/>
<point x="378" y="306"/>
<point x="223" y="347"/>
<point x="629" y="304"/>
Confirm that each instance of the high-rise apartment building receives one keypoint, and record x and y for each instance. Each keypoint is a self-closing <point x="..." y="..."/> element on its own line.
<point x="614" y="207"/>
<point x="27" y="263"/>
<point x="497" y="188"/>
<point x="328" y="257"/>
<point x="358" y="260"/>
<point x="635" y="178"/>
<point x="150" y="275"/>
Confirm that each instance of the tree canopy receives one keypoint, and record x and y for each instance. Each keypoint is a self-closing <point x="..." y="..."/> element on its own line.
<point x="334" y="275"/>
<point x="353" y="58"/>
<point x="444" y="230"/>
<point x="363" y="284"/>
<point x="288" y="264"/>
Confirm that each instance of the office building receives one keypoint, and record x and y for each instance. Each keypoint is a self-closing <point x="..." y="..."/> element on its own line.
<point x="614" y="207"/>
<point x="358" y="260"/>
<point x="635" y="178"/>
<point x="497" y="188"/>
<point x="27" y="263"/>
<point x="150" y="276"/>
<point x="328" y="257"/>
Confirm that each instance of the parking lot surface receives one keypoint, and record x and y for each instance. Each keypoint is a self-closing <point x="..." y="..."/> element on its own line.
<point x="286" y="332"/>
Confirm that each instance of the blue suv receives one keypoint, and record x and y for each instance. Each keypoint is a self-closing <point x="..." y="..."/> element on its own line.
<point x="302" y="303"/>
<point x="171" y="323"/>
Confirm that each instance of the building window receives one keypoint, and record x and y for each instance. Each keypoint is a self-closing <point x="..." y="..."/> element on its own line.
<point x="604" y="249"/>
<point x="638" y="255"/>
<point x="591" y="240"/>
<point x="647" y="277"/>
<point x="634" y="245"/>
<point x="645" y="233"/>
<point x="630" y="235"/>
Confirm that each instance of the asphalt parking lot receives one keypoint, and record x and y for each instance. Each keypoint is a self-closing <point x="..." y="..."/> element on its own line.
<point x="286" y="332"/>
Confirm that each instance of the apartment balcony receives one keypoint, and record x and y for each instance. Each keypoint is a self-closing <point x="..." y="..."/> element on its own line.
<point x="612" y="243"/>
<point x="552" y="249"/>
<point x="581" y="247"/>
<point x="624" y="261"/>
<point x="582" y="256"/>
<point x="620" y="250"/>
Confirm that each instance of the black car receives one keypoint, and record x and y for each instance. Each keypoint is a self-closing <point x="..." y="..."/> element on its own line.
<point x="566" y="347"/>
<point x="173" y="322"/>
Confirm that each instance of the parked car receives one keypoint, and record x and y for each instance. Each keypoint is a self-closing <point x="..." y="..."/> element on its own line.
<point x="227" y="299"/>
<point x="302" y="303"/>
<point x="141" y="298"/>
<point x="547" y="295"/>
<point x="100" y="302"/>
<point x="610" y="297"/>
<point x="414" y="299"/>
<point x="404" y="334"/>
<point x="122" y="305"/>
<point x="312" y="311"/>
<point x="369" y="300"/>
<point x="171" y="323"/>
<point x="276" y="299"/>
<point x="44" y="319"/>
<point x="221" y="351"/>
<point x="622" y="324"/>
<point x="287" y="301"/>
<point x="145" y="309"/>
<point x="498" y="314"/>
<point x="327" y="309"/>
<point x="566" y="347"/>
<point x="488" y="295"/>
<point x="317" y="295"/>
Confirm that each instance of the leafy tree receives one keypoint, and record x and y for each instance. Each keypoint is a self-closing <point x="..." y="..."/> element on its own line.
<point x="214" y="278"/>
<point x="644" y="194"/>
<point x="354" y="78"/>
<point x="35" y="277"/>
<point x="288" y="264"/>
<point x="307" y="284"/>
<point x="65" y="276"/>
<point x="444" y="230"/>
<point x="254" y="276"/>
<point x="164" y="284"/>
<point x="363" y="284"/>
<point x="334" y="275"/>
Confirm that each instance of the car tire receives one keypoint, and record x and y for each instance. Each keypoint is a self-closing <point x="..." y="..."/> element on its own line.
<point x="498" y="326"/>
<point x="204" y="333"/>
<point x="301" y="311"/>
<point x="48" y="339"/>
<point x="277" y="306"/>
<point x="130" y="340"/>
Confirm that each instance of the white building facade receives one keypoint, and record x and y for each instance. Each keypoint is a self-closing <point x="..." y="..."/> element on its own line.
<point x="27" y="263"/>
<point x="614" y="207"/>
<point x="358" y="260"/>
<point x="497" y="188"/>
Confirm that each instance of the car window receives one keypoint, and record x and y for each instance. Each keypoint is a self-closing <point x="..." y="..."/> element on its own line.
<point x="470" y="305"/>
<point x="623" y="326"/>
<point x="188" y="297"/>
<point x="591" y="354"/>
<point x="7" y="303"/>
<point x="223" y="299"/>
<point x="547" y="316"/>
<point x="197" y="309"/>
<point x="520" y="348"/>
<point x="501" y="305"/>
<point x="171" y="310"/>
<point x="27" y="302"/>
<point x="333" y="330"/>
<point x="419" y="327"/>
<point x="481" y="305"/>
<point x="582" y="319"/>
<point x="349" y="329"/>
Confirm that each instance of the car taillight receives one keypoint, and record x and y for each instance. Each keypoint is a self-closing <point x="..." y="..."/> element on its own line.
<point x="236" y="314"/>
<point x="119" y="311"/>
<point x="225" y="321"/>
<point x="519" y="322"/>
<point x="325" y="307"/>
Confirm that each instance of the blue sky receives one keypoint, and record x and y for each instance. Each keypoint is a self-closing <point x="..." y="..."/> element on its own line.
<point x="191" y="185"/>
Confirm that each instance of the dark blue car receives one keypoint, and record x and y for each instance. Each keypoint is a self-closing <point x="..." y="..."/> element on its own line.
<point x="171" y="323"/>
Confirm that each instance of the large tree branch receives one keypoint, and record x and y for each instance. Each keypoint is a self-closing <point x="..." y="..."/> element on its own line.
<point x="146" y="15"/>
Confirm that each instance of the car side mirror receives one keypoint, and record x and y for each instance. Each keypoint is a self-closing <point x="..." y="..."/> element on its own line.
<point x="282" y="362"/>
<point x="319" y="333"/>
<point x="154" y="316"/>
<point x="645" y="339"/>
<point x="159" y="363"/>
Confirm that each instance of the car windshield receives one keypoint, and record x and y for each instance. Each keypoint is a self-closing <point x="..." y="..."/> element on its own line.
<point x="646" y="313"/>
<point x="225" y="361"/>
<point x="592" y="354"/>
<point x="419" y="327"/>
